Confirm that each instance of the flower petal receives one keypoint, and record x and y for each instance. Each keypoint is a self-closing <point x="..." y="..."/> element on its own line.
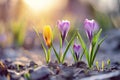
<point x="47" y="35"/>
<point x="63" y="27"/>
<point x="90" y="27"/>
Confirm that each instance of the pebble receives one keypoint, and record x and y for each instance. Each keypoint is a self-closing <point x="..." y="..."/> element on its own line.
<point x="41" y="73"/>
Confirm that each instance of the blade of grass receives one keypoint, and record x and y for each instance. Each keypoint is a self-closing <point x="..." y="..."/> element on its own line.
<point x="94" y="44"/>
<point x="84" y="47"/>
<point x="96" y="37"/>
<point x="73" y="54"/>
<point x="44" y="49"/>
<point x="56" y="54"/>
<point x="97" y="48"/>
<point x="81" y="56"/>
<point x="48" y="55"/>
<point x="69" y="44"/>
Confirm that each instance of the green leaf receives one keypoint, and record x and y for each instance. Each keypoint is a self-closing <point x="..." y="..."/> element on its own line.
<point x="44" y="49"/>
<point x="56" y="54"/>
<point x="96" y="37"/>
<point x="94" y="45"/>
<point x="73" y="54"/>
<point x="69" y="44"/>
<point x="27" y="76"/>
<point x="93" y="53"/>
<point x="45" y="52"/>
<point x="97" y="48"/>
<point x="80" y="58"/>
<point x="48" y="55"/>
<point x="36" y="31"/>
<point x="84" y="48"/>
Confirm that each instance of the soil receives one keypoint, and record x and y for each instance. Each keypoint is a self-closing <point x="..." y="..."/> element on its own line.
<point x="15" y="70"/>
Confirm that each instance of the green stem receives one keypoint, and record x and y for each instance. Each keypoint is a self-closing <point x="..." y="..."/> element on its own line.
<point x="84" y="48"/>
<point x="66" y="50"/>
<point x="49" y="55"/>
<point x="73" y="54"/>
<point x="56" y="54"/>
<point x="81" y="56"/>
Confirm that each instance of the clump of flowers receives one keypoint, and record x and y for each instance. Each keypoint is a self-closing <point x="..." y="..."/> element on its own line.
<point x="92" y="31"/>
<point x="63" y="27"/>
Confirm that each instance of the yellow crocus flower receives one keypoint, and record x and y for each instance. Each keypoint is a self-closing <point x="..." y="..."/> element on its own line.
<point x="47" y="35"/>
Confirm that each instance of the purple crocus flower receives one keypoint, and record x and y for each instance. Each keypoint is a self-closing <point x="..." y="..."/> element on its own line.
<point x="90" y="27"/>
<point x="76" y="48"/>
<point x="64" y="27"/>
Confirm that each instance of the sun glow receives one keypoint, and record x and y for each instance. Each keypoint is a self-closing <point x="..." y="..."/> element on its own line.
<point x="40" y="5"/>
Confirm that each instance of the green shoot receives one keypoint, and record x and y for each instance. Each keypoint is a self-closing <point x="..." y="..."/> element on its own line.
<point x="97" y="65"/>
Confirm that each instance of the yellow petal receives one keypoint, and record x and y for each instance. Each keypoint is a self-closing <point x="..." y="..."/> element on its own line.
<point x="47" y="35"/>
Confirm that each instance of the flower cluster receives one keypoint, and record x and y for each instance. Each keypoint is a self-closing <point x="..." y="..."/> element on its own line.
<point x="92" y="31"/>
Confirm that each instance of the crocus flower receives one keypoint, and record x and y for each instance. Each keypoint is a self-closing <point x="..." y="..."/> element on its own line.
<point x="76" y="48"/>
<point x="47" y="35"/>
<point x="90" y="27"/>
<point x="63" y="26"/>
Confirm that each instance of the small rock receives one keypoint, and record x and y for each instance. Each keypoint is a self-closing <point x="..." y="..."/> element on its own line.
<point x="7" y="61"/>
<point x="53" y="65"/>
<point x="15" y="77"/>
<point x="21" y="78"/>
<point x="79" y="73"/>
<point x="67" y="73"/>
<point x="41" y="73"/>
<point x="32" y="64"/>
<point x="17" y="65"/>
<point x="80" y="64"/>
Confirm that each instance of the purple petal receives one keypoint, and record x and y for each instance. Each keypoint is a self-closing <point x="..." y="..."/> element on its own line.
<point x="63" y="27"/>
<point x="96" y="27"/>
<point x="90" y="27"/>
<point x="89" y="35"/>
<point x="76" y="48"/>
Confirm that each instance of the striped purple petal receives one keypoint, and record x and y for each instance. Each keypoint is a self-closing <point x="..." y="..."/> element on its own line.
<point x="77" y="48"/>
<point x="63" y="27"/>
<point x="90" y="27"/>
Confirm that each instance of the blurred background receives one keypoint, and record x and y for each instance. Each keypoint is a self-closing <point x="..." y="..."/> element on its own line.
<point x="17" y="17"/>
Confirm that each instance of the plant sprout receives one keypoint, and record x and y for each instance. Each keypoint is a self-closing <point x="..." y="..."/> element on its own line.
<point x="108" y="63"/>
<point x="27" y="76"/>
<point x="97" y="65"/>
<point x="103" y="65"/>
